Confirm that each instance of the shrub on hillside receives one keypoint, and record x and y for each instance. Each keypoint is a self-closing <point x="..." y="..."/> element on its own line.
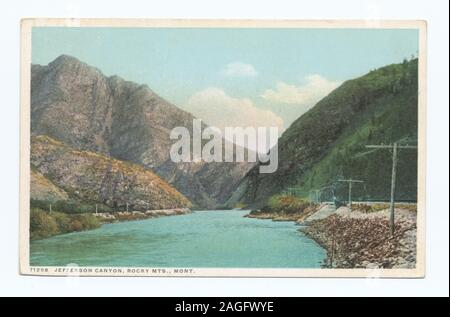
<point x="42" y="225"/>
<point x="286" y="204"/>
<point x="87" y="221"/>
<point x="62" y="221"/>
<point x="76" y="226"/>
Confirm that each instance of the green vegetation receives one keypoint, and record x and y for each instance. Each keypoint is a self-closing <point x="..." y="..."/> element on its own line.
<point x="350" y="159"/>
<point x="285" y="204"/>
<point x="388" y="98"/>
<point x="44" y="224"/>
<point x="328" y="142"/>
<point x="239" y="205"/>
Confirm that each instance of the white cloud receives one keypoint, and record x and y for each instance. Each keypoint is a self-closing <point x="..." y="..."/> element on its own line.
<point x="315" y="88"/>
<point x="220" y="110"/>
<point x="238" y="69"/>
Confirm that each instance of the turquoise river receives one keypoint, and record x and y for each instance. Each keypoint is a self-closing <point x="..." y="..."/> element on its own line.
<point x="203" y="239"/>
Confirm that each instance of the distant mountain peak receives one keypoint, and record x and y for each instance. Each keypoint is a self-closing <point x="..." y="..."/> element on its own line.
<point x="78" y="105"/>
<point x="68" y="64"/>
<point x="65" y="59"/>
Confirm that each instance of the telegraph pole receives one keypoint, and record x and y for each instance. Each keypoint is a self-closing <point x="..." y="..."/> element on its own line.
<point x="314" y="195"/>
<point x="324" y="188"/>
<point x="317" y="194"/>
<point x="393" y="182"/>
<point x="395" y="147"/>
<point x="294" y="191"/>
<point x="350" y="184"/>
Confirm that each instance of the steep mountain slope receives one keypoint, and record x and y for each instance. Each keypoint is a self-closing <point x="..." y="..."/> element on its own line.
<point x="76" y="104"/>
<point x="41" y="188"/>
<point x="92" y="177"/>
<point x="328" y="142"/>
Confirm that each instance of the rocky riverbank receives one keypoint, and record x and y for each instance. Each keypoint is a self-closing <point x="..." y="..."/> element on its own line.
<point x="298" y="217"/>
<point x="361" y="239"/>
<point x="140" y="215"/>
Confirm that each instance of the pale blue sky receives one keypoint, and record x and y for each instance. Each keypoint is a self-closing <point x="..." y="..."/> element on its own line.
<point x="268" y="68"/>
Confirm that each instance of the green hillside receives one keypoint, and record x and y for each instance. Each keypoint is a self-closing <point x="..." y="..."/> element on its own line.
<point x="328" y="142"/>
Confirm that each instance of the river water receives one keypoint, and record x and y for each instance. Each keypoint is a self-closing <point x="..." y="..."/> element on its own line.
<point x="204" y="239"/>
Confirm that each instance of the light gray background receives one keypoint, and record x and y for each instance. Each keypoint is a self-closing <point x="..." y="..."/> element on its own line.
<point x="435" y="12"/>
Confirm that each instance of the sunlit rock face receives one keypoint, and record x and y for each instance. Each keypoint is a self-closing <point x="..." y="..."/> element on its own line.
<point x="76" y="104"/>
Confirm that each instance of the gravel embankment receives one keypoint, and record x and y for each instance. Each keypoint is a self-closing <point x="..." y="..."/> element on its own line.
<point x="362" y="240"/>
<point x="140" y="215"/>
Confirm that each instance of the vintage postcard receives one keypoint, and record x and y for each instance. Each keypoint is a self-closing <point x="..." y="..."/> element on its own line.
<point x="222" y="148"/>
